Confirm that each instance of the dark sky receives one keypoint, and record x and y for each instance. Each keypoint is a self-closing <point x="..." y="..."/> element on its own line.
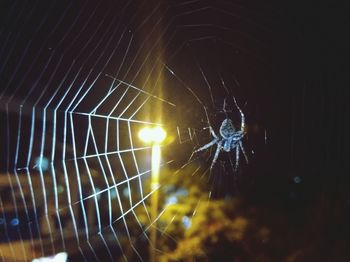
<point x="290" y="59"/>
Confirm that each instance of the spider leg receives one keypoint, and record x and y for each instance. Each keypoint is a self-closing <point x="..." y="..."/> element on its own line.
<point x="242" y="115"/>
<point x="244" y="153"/>
<point x="206" y="146"/>
<point x="212" y="132"/>
<point x="237" y="157"/>
<point x="224" y="108"/>
<point x="216" y="154"/>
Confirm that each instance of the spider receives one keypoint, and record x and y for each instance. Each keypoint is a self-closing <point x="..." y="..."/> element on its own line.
<point x="229" y="138"/>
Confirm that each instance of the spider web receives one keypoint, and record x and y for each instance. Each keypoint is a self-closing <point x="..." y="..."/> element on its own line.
<point x="80" y="81"/>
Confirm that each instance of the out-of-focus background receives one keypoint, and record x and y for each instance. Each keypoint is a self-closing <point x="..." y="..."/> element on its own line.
<point x="79" y="80"/>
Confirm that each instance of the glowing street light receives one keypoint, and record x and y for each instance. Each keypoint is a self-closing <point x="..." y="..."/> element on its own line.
<point x="154" y="136"/>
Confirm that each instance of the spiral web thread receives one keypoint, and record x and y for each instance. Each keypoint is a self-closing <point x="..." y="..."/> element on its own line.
<point x="72" y="103"/>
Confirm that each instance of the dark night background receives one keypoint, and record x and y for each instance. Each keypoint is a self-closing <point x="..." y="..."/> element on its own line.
<point x="294" y="79"/>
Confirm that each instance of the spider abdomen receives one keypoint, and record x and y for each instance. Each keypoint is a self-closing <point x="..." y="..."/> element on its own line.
<point x="227" y="129"/>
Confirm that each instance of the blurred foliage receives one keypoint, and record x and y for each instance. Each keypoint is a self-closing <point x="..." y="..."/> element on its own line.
<point x="194" y="228"/>
<point x="218" y="231"/>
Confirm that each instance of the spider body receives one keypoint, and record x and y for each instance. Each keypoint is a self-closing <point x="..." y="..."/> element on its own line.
<point x="229" y="138"/>
<point x="229" y="135"/>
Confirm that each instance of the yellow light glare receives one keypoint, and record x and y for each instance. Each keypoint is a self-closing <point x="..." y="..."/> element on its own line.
<point x="145" y="134"/>
<point x="158" y="134"/>
<point x="155" y="135"/>
<point x="156" y="156"/>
